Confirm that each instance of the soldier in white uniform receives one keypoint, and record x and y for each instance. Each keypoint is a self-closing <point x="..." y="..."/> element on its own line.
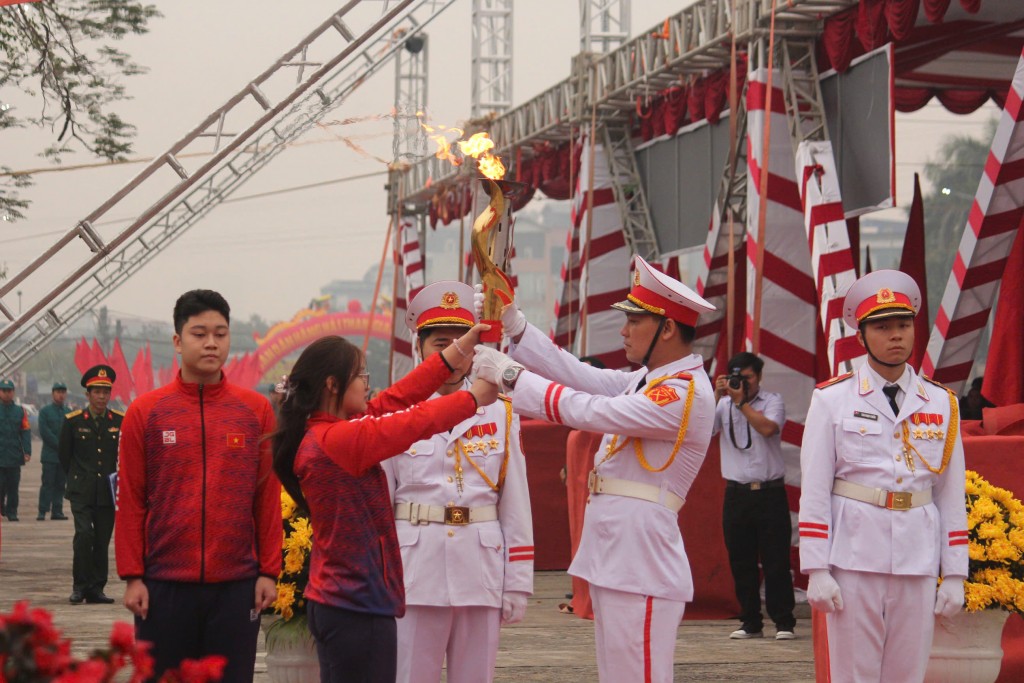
<point x="462" y="511"/>
<point x="657" y="423"/>
<point x="882" y="506"/>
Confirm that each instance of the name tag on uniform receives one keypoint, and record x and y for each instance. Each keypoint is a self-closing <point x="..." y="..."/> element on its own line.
<point x="866" y="416"/>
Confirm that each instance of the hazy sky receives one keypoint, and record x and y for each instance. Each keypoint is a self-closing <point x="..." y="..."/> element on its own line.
<point x="271" y="255"/>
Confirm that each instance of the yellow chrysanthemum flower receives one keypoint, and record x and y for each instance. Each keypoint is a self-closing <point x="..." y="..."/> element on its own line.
<point x="287" y="505"/>
<point x="285" y="600"/>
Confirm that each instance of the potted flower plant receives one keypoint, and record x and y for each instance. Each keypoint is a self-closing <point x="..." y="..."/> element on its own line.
<point x="968" y="647"/>
<point x="33" y="650"/>
<point x="291" y="652"/>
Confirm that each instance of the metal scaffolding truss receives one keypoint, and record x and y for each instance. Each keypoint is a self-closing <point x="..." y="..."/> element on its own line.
<point x="411" y="88"/>
<point x="604" y="24"/>
<point x="695" y="40"/>
<point x="491" y="62"/>
<point x="206" y="166"/>
<point x="629" y="191"/>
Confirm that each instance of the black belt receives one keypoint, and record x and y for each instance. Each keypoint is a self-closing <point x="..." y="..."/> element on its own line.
<point x="756" y="485"/>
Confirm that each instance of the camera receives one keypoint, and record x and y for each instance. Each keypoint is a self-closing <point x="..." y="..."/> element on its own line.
<point x="735" y="379"/>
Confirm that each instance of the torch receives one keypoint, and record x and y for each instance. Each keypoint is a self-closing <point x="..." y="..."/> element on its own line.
<point x="491" y="242"/>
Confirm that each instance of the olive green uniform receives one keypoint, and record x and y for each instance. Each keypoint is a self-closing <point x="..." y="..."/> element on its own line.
<point x="88" y="456"/>
<point x="51" y="490"/>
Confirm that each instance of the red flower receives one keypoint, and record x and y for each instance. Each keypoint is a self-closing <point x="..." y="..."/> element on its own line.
<point x="122" y="637"/>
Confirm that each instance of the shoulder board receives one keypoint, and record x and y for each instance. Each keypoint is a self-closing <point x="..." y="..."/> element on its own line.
<point x="117" y="412"/>
<point x="938" y="384"/>
<point x="505" y="397"/>
<point x="683" y="375"/>
<point x="72" y="414"/>
<point x="835" y="380"/>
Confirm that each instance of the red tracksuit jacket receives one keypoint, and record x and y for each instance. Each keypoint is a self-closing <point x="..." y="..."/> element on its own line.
<point x="197" y="498"/>
<point x="355" y="563"/>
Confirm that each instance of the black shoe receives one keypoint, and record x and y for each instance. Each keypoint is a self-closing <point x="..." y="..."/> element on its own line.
<point x="76" y="597"/>
<point x="98" y="599"/>
<point x="57" y="516"/>
<point x="41" y="517"/>
<point x="12" y="519"/>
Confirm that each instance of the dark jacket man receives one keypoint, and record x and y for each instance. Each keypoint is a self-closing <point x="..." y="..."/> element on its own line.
<point x="51" y="422"/>
<point x="15" y="449"/>
<point x="88" y="455"/>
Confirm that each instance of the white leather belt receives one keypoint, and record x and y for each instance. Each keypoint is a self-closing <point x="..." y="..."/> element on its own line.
<point x="633" y="489"/>
<point x="453" y="515"/>
<point x="891" y="500"/>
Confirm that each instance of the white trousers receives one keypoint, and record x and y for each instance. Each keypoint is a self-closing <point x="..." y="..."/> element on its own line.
<point x="883" y="634"/>
<point x="635" y="636"/>
<point x="467" y="636"/>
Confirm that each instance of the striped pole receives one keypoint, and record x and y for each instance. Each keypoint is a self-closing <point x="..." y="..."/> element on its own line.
<point x="988" y="238"/>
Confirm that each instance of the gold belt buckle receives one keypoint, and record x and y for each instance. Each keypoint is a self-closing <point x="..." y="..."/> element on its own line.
<point x="592" y="481"/>
<point x="755" y="486"/>
<point x="898" y="500"/>
<point x="456" y="515"/>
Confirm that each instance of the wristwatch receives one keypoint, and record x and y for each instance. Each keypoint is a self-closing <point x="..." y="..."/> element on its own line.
<point x="510" y="375"/>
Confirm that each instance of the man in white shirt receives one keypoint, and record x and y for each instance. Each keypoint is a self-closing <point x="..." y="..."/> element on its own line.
<point x="755" y="515"/>
<point x="657" y="425"/>
<point x="882" y="505"/>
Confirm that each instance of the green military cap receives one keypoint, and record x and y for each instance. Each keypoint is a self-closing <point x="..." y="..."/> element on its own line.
<point x="6" y="384"/>
<point x="99" y="376"/>
<point x="59" y="386"/>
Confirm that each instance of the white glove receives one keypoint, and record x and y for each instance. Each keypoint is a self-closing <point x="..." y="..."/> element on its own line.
<point x="489" y="364"/>
<point x="513" y="322"/>
<point x="823" y="592"/>
<point x="950" y="598"/>
<point x="513" y="607"/>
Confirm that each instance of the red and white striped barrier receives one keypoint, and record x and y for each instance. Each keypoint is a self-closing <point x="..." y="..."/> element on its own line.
<point x="829" y="243"/>
<point x="988" y="238"/>
<point x="604" y="268"/>
<point x="409" y="263"/>
<point x="788" y="298"/>
<point x="713" y="283"/>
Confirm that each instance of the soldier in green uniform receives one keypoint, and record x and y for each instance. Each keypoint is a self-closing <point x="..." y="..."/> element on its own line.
<point x="51" y="421"/>
<point x="88" y="455"/>
<point x="15" y="449"/>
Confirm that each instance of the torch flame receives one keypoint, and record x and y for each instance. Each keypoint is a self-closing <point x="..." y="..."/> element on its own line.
<point x="478" y="146"/>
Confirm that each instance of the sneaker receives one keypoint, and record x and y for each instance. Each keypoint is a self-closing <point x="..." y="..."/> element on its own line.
<point x="785" y="635"/>
<point x="743" y="634"/>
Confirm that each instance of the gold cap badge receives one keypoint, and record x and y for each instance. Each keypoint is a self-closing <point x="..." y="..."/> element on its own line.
<point x="450" y="300"/>
<point x="885" y="296"/>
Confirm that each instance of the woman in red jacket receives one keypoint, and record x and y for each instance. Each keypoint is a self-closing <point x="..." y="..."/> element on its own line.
<point x="327" y="453"/>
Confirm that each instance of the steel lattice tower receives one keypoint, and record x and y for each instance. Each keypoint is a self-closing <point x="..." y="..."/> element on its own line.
<point x="492" y="57"/>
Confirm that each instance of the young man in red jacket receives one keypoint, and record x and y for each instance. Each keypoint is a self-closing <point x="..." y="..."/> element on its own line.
<point x="198" y="529"/>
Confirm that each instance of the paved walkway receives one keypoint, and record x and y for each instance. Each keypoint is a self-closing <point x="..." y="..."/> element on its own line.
<point x="35" y="565"/>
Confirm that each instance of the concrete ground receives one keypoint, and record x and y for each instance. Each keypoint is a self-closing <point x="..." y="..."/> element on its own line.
<point x="35" y="565"/>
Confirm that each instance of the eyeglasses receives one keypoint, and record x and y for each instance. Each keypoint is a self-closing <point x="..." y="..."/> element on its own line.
<point x="365" y="376"/>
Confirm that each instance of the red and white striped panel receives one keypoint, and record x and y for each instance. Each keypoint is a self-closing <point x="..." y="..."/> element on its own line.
<point x="409" y="262"/>
<point x="712" y="284"/>
<point x="829" y="242"/>
<point x="788" y="298"/>
<point x="605" y="273"/>
<point x="988" y="237"/>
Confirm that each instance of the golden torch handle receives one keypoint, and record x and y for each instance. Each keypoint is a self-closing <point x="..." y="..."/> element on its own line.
<point x="498" y="291"/>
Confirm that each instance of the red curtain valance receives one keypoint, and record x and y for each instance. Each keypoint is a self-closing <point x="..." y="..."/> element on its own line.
<point x="701" y="98"/>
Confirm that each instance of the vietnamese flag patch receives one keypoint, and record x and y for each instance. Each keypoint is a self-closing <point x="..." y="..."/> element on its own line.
<point x="662" y="395"/>
<point x="236" y="440"/>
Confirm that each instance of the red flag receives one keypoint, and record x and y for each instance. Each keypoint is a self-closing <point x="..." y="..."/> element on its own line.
<point x="5" y="3"/>
<point x="142" y="373"/>
<point x="867" y="260"/>
<point x="912" y="263"/>
<point x="97" y="357"/>
<point x="83" y="355"/>
<point x="123" y="386"/>
<point x="1004" y="369"/>
<point x="148" y="382"/>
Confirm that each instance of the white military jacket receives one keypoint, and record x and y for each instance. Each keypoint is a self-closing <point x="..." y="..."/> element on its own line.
<point x="851" y="434"/>
<point x="627" y="544"/>
<point x="467" y="565"/>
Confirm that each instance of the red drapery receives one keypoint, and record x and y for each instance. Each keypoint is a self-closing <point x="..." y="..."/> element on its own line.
<point x="872" y="23"/>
